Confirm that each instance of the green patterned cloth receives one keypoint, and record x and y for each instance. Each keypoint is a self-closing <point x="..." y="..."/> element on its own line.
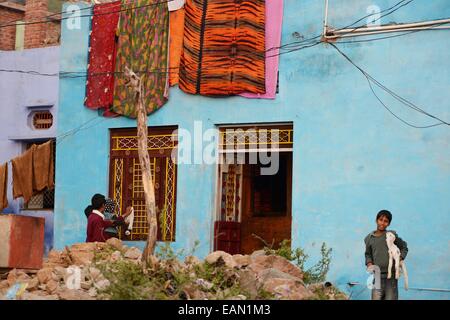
<point x="143" y="47"/>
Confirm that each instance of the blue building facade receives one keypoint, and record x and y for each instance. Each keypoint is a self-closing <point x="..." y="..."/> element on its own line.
<point x="350" y="156"/>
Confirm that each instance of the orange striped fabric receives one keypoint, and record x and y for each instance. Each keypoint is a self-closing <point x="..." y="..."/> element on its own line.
<point x="224" y="47"/>
<point x="176" y="30"/>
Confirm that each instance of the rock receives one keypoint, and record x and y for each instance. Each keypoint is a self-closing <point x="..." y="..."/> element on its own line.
<point x="219" y="257"/>
<point x="102" y="284"/>
<point x="272" y="273"/>
<point x="81" y="253"/>
<point x="44" y="275"/>
<point x="94" y="273"/>
<point x="35" y="296"/>
<point x="287" y="289"/>
<point x="17" y="276"/>
<point x="51" y="286"/>
<point x="248" y="282"/>
<point x="59" y="273"/>
<point x="115" y="243"/>
<point x="68" y="294"/>
<point x="92" y="292"/>
<point x="242" y="260"/>
<point x="116" y="256"/>
<point x="33" y="284"/>
<point x="260" y="263"/>
<point x="257" y="253"/>
<point x="206" y="285"/>
<point x="133" y="253"/>
<point x="55" y="258"/>
<point x="238" y="297"/>
<point x="4" y="284"/>
<point x="190" y="292"/>
<point x="86" y="285"/>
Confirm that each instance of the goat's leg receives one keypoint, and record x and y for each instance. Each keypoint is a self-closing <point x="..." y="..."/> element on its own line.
<point x="389" y="266"/>
<point x="397" y="267"/>
<point x="405" y="274"/>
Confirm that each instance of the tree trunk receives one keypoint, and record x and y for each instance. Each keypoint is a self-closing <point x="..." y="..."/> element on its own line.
<point x="147" y="180"/>
<point x="144" y="161"/>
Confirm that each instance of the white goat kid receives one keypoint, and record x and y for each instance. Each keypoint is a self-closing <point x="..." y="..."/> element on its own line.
<point x="130" y="221"/>
<point x="394" y="256"/>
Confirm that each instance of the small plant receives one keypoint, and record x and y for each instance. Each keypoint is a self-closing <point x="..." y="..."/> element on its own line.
<point x="166" y="252"/>
<point x="317" y="273"/>
<point x="127" y="280"/>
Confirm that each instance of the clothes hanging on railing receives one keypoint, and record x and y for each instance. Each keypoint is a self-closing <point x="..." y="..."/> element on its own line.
<point x="142" y="47"/>
<point x="23" y="175"/>
<point x="33" y="171"/>
<point x="274" y="24"/>
<point x="3" y="186"/>
<point x="43" y="167"/>
<point x="102" y="56"/>
<point x="223" y="47"/>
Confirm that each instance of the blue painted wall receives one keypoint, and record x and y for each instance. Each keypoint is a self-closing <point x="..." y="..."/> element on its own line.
<point x="351" y="157"/>
<point x="21" y="94"/>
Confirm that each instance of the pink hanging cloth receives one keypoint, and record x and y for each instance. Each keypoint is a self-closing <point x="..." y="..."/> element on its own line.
<point x="274" y="24"/>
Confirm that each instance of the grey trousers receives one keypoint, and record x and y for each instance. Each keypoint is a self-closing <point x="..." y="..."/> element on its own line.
<point x="388" y="291"/>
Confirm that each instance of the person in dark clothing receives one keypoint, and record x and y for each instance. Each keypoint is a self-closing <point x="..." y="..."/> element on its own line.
<point x="377" y="254"/>
<point x="96" y="220"/>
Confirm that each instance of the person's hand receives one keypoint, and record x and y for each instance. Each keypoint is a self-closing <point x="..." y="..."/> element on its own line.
<point x="369" y="265"/>
<point x="127" y="211"/>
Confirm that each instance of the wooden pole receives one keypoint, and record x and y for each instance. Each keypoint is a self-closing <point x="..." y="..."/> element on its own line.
<point x="144" y="160"/>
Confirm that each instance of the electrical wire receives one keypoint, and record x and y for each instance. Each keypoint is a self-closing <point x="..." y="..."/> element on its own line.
<point x="402" y="100"/>
<point x="392" y="9"/>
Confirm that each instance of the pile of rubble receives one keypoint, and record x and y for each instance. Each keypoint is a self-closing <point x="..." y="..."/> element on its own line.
<point x="219" y="276"/>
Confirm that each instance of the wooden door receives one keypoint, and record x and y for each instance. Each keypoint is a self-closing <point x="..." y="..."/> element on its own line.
<point x="266" y="209"/>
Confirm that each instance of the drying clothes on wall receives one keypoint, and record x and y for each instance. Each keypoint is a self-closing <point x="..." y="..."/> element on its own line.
<point x="3" y="186"/>
<point x="224" y="47"/>
<point x="176" y="22"/>
<point x="274" y="23"/>
<point x="23" y="175"/>
<point x="102" y="54"/>
<point x="142" y="47"/>
<point x="43" y="167"/>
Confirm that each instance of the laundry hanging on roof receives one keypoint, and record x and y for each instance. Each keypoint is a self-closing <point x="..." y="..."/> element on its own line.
<point x="176" y="23"/>
<point x="274" y="23"/>
<point x="224" y="47"/>
<point x="142" y="47"/>
<point x="102" y="57"/>
<point x="23" y="175"/>
<point x="43" y="167"/>
<point x="3" y="186"/>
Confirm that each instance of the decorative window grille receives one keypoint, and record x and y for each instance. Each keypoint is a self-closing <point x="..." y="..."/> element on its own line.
<point x="126" y="186"/>
<point x="42" y="120"/>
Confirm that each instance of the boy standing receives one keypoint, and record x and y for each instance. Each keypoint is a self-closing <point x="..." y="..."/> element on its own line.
<point x="377" y="254"/>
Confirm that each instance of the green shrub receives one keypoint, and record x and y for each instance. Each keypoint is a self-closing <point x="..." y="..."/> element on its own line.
<point x="317" y="273"/>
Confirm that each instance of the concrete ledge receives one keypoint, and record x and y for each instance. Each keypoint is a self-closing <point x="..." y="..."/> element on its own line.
<point x="12" y="6"/>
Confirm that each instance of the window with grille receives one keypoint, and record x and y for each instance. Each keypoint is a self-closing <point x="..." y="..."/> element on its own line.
<point x="42" y="120"/>
<point x="46" y="198"/>
<point x="125" y="180"/>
